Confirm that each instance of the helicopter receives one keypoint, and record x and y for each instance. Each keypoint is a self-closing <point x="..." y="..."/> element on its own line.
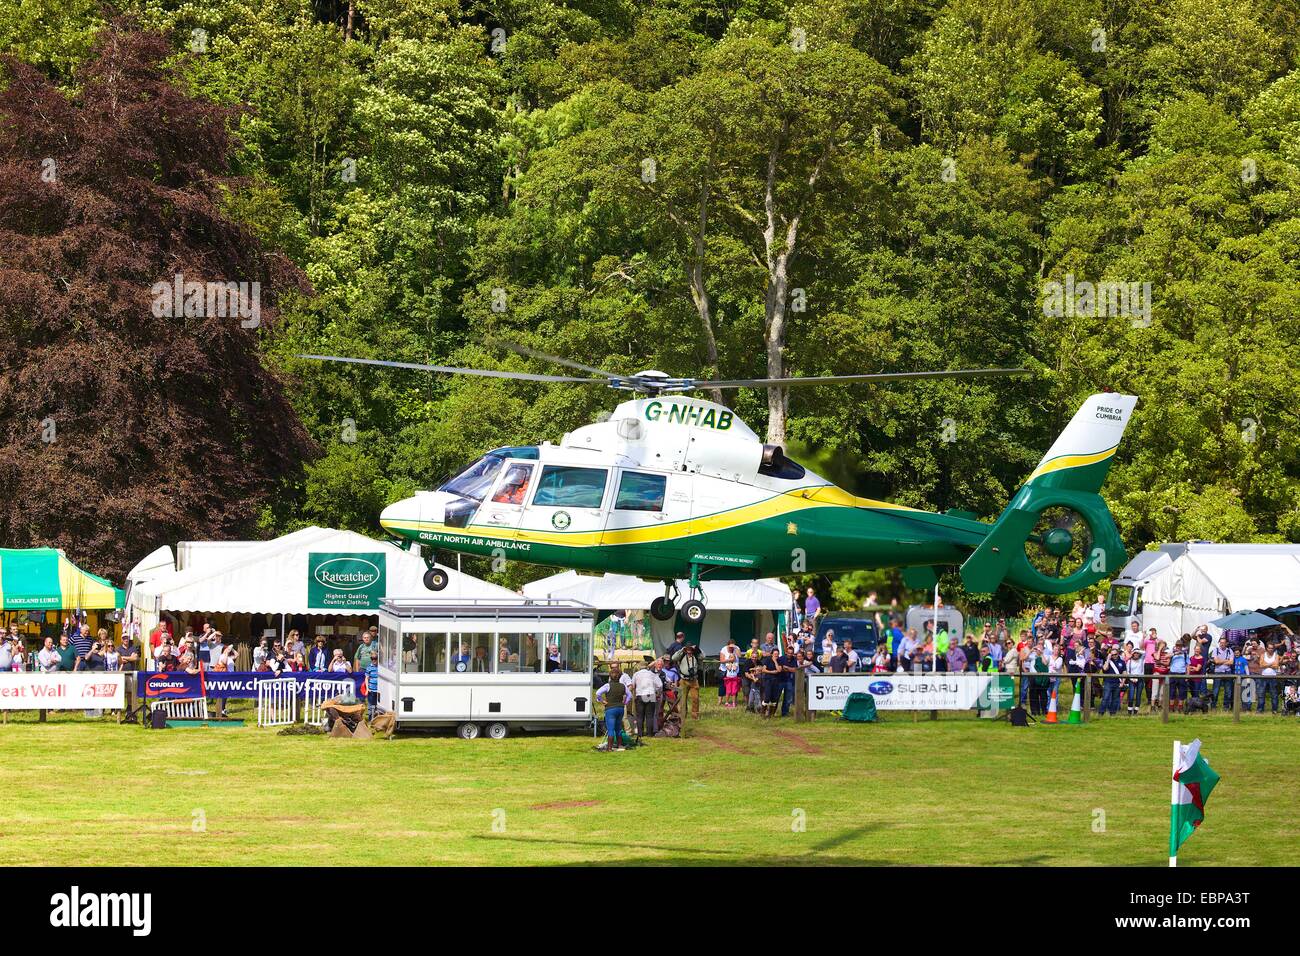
<point x="674" y="487"/>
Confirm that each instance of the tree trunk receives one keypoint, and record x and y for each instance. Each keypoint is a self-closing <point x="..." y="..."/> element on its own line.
<point x="774" y="307"/>
<point x="347" y="34"/>
<point x="703" y="308"/>
<point x="700" y="294"/>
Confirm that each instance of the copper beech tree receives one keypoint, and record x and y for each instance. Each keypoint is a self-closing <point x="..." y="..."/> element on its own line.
<point x="134" y="408"/>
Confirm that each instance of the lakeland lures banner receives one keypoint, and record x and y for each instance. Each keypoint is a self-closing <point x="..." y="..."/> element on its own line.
<point x="75" y="690"/>
<point x="345" y="582"/>
<point x="912" y="691"/>
<point x="164" y="685"/>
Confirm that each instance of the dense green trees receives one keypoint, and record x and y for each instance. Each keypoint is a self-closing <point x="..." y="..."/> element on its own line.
<point x="766" y="187"/>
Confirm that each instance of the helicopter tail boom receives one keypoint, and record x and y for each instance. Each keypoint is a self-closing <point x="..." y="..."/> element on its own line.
<point x="1057" y="536"/>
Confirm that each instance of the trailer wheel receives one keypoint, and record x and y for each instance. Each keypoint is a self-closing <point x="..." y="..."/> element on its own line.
<point x="498" y="730"/>
<point x="467" y="731"/>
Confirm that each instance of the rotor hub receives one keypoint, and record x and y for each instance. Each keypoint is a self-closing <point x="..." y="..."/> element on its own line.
<point x="1058" y="542"/>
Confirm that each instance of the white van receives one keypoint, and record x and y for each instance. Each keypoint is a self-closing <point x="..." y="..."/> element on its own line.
<point x="489" y="666"/>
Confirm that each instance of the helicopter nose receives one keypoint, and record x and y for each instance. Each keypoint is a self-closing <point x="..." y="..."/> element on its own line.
<point x="404" y="515"/>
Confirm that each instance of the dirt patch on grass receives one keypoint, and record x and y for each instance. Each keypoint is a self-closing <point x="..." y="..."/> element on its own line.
<point x="798" y="741"/>
<point x="720" y="743"/>
<point x="565" y="804"/>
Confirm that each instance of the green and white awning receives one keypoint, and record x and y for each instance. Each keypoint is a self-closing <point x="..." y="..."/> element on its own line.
<point x="42" y="579"/>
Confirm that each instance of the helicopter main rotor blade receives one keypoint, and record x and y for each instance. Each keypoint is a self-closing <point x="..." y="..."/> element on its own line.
<point x="845" y="379"/>
<point x="525" y="351"/>
<point x="486" y="373"/>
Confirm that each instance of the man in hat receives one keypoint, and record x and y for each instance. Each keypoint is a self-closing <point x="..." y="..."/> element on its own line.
<point x="689" y="670"/>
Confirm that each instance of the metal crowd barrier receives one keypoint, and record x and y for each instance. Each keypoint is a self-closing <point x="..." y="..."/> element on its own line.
<point x="277" y="702"/>
<point x="316" y="692"/>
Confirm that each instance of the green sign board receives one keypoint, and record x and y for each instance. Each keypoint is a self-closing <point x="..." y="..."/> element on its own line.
<point x="345" y="582"/>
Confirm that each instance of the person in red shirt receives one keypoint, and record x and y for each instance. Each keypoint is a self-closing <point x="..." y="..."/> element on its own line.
<point x="159" y="634"/>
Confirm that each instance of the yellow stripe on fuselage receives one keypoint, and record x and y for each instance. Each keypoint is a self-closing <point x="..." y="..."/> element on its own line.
<point x="779" y="505"/>
<point x="1070" y="461"/>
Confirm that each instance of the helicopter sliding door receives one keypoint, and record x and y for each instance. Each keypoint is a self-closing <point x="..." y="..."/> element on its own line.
<point x="567" y="501"/>
<point x="649" y="508"/>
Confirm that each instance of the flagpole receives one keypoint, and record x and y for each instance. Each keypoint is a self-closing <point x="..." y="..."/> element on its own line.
<point x="1173" y="802"/>
<point x="935" y="666"/>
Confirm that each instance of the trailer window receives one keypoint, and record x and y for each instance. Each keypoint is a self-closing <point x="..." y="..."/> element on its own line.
<point x="424" y="653"/>
<point x="471" y="653"/>
<point x="569" y="653"/>
<point x="388" y="647"/>
<point x="516" y="653"/>
<point x="564" y="487"/>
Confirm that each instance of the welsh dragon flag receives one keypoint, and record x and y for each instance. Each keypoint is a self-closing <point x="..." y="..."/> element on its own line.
<point x="1193" y="782"/>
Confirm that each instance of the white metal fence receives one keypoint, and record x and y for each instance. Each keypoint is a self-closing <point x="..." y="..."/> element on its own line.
<point x="277" y="702"/>
<point x="195" y="708"/>
<point x="316" y="692"/>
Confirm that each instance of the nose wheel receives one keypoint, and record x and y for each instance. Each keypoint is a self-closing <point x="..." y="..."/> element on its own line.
<point x="693" y="611"/>
<point x="435" y="579"/>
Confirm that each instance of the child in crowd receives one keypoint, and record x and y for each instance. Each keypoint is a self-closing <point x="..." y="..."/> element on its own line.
<point x="372" y="685"/>
<point x="731" y="680"/>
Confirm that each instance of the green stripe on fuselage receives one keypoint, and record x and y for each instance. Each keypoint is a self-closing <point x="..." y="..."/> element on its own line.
<point x="823" y="539"/>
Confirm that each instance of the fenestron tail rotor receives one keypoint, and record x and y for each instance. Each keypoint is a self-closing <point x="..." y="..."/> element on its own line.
<point x="1060" y="543"/>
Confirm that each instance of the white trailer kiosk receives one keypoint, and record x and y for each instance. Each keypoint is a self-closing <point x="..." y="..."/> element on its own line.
<point x="486" y="665"/>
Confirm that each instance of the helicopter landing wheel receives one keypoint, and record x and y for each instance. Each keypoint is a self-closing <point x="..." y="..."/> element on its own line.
<point x="661" y="609"/>
<point x="694" y="611"/>
<point x="435" y="579"/>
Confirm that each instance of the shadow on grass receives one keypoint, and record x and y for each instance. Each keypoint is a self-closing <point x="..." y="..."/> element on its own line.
<point x="700" y="856"/>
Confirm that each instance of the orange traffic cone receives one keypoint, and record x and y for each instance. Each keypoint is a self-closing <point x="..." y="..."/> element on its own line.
<point x="1051" y="710"/>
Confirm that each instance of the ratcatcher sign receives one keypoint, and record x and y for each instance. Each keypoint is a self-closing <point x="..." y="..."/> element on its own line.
<point x="345" y="582"/>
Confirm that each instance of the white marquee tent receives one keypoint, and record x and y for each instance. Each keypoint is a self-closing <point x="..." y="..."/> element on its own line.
<point x="763" y="599"/>
<point x="272" y="577"/>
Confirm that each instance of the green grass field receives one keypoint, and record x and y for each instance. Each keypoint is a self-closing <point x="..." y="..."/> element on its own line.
<point x="953" y="791"/>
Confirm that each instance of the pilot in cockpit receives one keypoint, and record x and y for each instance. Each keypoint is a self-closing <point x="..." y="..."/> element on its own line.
<point x="514" y="487"/>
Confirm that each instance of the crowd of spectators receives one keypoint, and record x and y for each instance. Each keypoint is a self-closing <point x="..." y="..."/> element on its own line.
<point x="1061" y="646"/>
<point x="1127" y="672"/>
<point x="74" y="650"/>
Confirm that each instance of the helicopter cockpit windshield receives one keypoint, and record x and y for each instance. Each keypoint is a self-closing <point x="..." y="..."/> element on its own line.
<point x="475" y="481"/>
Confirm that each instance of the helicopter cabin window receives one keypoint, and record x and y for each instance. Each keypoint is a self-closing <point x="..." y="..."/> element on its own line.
<point x="565" y="487"/>
<point x="476" y="480"/>
<point x="776" y="465"/>
<point x="638" y="491"/>
<point x="514" y="486"/>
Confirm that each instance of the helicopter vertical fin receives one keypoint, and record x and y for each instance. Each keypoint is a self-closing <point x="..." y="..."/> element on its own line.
<point x="1069" y="476"/>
